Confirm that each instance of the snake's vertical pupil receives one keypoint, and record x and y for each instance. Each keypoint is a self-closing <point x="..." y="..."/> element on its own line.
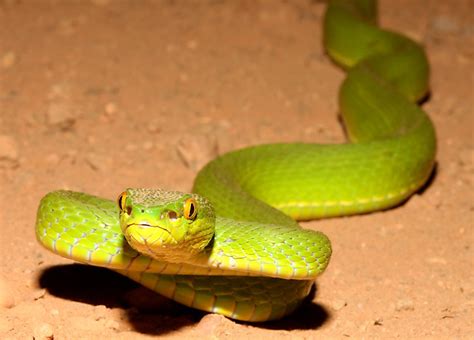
<point x="190" y="209"/>
<point x="121" y="200"/>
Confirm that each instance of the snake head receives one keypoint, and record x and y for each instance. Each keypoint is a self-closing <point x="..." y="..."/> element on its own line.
<point x="166" y="225"/>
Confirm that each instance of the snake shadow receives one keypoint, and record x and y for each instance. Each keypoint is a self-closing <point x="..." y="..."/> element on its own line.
<point x="146" y="311"/>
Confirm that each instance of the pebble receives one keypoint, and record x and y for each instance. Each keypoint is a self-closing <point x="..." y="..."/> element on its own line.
<point x="404" y="305"/>
<point x="445" y="24"/>
<point x="147" y="145"/>
<point x="5" y="326"/>
<point x="192" y="44"/>
<point x="39" y="294"/>
<point x="96" y="162"/>
<point x="83" y="323"/>
<point x="196" y="151"/>
<point x="154" y="127"/>
<point x="61" y="116"/>
<point x="7" y="299"/>
<point x="53" y="159"/>
<point x="100" y="312"/>
<point x="131" y="147"/>
<point x="43" y="331"/>
<point x="110" y="109"/>
<point x="466" y="157"/>
<point x="210" y="322"/>
<point x="437" y="260"/>
<point x="112" y="324"/>
<point x="338" y="304"/>
<point x="378" y="322"/>
<point x="8" y="59"/>
<point x="9" y="155"/>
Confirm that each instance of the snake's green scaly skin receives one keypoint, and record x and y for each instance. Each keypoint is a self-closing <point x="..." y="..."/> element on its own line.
<point x="261" y="264"/>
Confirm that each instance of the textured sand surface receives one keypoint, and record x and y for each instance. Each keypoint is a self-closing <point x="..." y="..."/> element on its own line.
<point x="101" y="95"/>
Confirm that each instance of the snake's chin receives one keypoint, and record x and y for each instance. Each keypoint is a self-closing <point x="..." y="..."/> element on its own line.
<point x="157" y="242"/>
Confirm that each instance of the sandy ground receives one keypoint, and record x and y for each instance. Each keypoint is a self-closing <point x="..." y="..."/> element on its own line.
<point x="101" y="95"/>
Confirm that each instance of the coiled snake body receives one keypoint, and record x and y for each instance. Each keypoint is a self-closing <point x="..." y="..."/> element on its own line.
<point x="233" y="247"/>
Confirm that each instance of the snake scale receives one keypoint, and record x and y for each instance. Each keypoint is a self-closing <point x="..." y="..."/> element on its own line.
<point x="232" y="246"/>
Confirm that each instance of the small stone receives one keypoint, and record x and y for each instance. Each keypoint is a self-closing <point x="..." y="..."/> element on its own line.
<point x="192" y="44"/>
<point x="9" y="155"/>
<point x="43" y="331"/>
<point x="91" y="140"/>
<point x="363" y="326"/>
<point x="53" y="159"/>
<point x="5" y="326"/>
<point x="437" y="260"/>
<point x="112" y="324"/>
<point x="183" y="77"/>
<point x="8" y="59"/>
<point x="96" y="162"/>
<point x="210" y="322"/>
<point x="378" y="322"/>
<point x="147" y="145"/>
<point x="445" y="24"/>
<point x="466" y="157"/>
<point x="67" y="26"/>
<point x="7" y="299"/>
<point x="405" y="305"/>
<point x="131" y="147"/>
<point x="196" y="151"/>
<point x="82" y="323"/>
<point x="399" y="226"/>
<point x="61" y="116"/>
<point x="338" y="304"/>
<point x="110" y="109"/>
<point x="100" y="312"/>
<point x="39" y="294"/>
<point x="54" y="312"/>
<point x="154" y="127"/>
<point x="71" y="156"/>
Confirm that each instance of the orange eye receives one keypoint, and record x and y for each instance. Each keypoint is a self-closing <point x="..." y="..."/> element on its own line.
<point x="121" y="200"/>
<point x="190" y="209"/>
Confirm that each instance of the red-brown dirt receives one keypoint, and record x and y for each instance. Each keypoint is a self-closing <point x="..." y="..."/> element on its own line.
<point x="101" y="95"/>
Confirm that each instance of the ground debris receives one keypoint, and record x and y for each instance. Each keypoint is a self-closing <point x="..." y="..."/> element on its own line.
<point x="7" y="299"/>
<point x="43" y="331"/>
<point x="405" y="305"/>
<point x="8" y="59"/>
<point x="196" y="151"/>
<point x="9" y="154"/>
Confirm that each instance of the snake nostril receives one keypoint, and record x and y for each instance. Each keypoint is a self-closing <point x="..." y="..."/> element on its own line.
<point x="172" y="215"/>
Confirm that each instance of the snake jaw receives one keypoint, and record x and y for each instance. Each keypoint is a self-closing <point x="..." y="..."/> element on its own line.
<point x="153" y="240"/>
<point x="146" y="225"/>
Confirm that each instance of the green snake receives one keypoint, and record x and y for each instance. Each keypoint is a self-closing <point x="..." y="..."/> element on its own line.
<point x="232" y="246"/>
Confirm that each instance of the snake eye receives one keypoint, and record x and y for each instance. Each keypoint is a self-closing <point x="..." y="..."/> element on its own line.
<point x="190" y="209"/>
<point x="121" y="200"/>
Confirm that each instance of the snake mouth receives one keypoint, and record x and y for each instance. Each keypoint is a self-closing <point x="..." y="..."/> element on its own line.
<point x="146" y="225"/>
